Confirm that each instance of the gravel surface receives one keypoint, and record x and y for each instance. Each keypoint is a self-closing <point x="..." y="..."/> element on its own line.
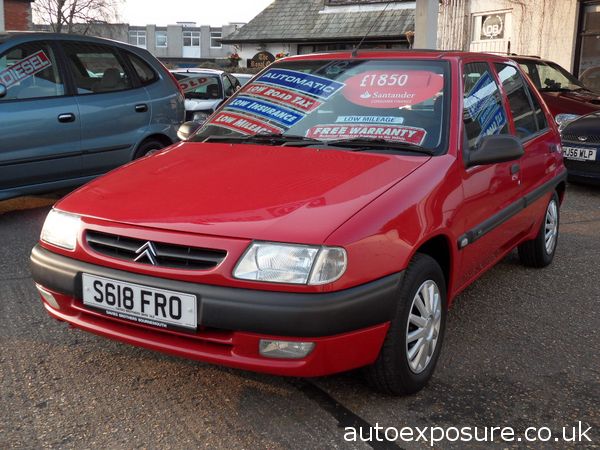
<point x="522" y="349"/>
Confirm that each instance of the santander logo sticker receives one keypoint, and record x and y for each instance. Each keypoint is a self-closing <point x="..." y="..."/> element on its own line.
<point x="392" y="89"/>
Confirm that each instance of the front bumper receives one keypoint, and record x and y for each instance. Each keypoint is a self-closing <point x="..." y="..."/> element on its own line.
<point x="347" y="326"/>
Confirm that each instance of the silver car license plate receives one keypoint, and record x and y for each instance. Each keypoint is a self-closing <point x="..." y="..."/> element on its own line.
<point x="142" y="304"/>
<point x="580" y="154"/>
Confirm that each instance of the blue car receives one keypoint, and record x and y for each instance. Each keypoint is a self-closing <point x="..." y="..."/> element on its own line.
<point x="74" y="107"/>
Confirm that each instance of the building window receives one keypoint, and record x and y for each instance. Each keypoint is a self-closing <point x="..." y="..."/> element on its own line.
<point x="161" y="38"/>
<point x="191" y="39"/>
<point x="215" y="38"/>
<point x="137" y="37"/>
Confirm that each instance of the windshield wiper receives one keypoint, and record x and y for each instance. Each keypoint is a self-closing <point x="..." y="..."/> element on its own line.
<point x="362" y="144"/>
<point x="266" y="138"/>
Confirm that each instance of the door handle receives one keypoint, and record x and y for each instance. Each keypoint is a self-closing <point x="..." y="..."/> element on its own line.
<point x="514" y="169"/>
<point x="141" y="108"/>
<point x="66" y="117"/>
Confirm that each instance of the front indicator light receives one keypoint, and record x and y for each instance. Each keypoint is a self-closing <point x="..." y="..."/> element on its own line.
<point x="285" y="349"/>
<point x="290" y="263"/>
<point x="61" y="229"/>
<point x="48" y="297"/>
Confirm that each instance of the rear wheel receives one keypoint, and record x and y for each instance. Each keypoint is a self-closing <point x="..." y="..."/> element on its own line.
<point x="148" y="147"/>
<point x="413" y="343"/>
<point x="539" y="252"/>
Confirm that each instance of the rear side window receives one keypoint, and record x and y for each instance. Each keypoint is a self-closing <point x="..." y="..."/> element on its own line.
<point x="96" y="68"/>
<point x="483" y="113"/>
<point x="519" y="100"/>
<point x="142" y="69"/>
<point x="30" y="71"/>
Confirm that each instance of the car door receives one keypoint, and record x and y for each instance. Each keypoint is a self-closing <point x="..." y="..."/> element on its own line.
<point x="490" y="191"/>
<point x="115" y="108"/>
<point x="537" y="165"/>
<point x="39" y="123"/>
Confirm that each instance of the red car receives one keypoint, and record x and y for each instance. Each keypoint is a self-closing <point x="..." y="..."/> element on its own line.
<point x="323" y="219"/>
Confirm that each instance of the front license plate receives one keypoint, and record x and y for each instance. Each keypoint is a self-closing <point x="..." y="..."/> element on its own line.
<point x="142" y="304"/>
<point x="580" y="154"/>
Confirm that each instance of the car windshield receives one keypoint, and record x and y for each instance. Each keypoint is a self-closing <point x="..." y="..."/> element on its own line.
<point x="201" y="87"/>
<point x="400" y="102"/>
<point x="551" y="77"/>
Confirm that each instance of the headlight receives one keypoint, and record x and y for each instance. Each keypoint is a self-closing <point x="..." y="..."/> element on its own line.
<point x="61" y="229"/>
<point x="562" y="120"/>
<point x="289" y="263"/>
<point x="200" y="116"/>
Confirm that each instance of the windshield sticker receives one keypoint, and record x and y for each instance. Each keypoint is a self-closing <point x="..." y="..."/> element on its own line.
<point x="370" y="119"/>
<point x="24" y="69"/>
<point x="394" y="133"/>
<point x="189" y="84"/>
<point x="243" y="124"/>
<point x="286" y="97"/>
<point x="270" y="111"/>
<point x="483" y="106"/>
<point x="319" y="87"/>
<point x="392" y="89"/>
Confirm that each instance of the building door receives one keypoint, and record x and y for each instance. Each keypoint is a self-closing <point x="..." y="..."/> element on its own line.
<point x="589" y="57"/>
<point x="191" y="44"/>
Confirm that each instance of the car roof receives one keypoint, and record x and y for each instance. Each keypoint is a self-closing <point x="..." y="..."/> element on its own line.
<point x="401" y="54"/>
<point x="198" y="70"/>
<point x="25" y="36"/>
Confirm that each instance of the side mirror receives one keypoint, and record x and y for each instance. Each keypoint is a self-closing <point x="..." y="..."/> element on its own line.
<point x="187" y="129"/>
<point x="496" y="149"/>
<point x="3" y="91"/>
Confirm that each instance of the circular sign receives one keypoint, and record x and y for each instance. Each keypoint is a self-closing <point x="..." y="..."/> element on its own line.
<point x="261" y="60"/>
<point x="492" y="27"/>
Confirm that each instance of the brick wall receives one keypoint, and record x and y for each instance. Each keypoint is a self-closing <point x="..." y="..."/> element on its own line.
<point x="17" y="14"/>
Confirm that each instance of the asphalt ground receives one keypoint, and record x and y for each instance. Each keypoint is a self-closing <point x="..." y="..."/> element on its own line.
<point x="522" y="349"/>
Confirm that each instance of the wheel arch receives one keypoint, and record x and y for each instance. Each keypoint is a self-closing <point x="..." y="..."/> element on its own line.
<point x="163" y="138"/>
<point x="561" y="189"/>
<point x="439" y="248"/>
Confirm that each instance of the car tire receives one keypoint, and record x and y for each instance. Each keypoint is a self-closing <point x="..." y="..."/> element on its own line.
<point x="148" y="147"/>
<point x="395" y="372"/>
<point x="539" y="252"/>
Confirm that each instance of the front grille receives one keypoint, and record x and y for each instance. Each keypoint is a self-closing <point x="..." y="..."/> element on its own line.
<point x="591" y="167"/>
<point x="574" y="139"/>
<point x="165" y="255"/>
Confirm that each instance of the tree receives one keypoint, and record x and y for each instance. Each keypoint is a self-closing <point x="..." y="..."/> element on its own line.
<point x="69" y="16"/>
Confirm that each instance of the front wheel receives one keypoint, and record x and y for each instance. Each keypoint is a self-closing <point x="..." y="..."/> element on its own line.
<point x="414" y="340"/>
<point x="539" y="252"/>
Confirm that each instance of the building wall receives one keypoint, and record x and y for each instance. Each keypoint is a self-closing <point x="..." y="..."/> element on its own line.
<point x="2" y="15"/>
<point x="545" y="28"/>
<point x="17" y="15"/>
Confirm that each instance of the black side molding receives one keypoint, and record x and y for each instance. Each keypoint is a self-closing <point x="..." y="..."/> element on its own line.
<point x="498" y="219"/>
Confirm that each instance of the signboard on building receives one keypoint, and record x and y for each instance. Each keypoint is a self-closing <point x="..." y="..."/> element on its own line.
<point x="260" y="60"/>
<point x="492" y="27"/>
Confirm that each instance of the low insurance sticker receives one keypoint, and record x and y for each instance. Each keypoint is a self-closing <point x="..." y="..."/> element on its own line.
<point x="24" y="69"/>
